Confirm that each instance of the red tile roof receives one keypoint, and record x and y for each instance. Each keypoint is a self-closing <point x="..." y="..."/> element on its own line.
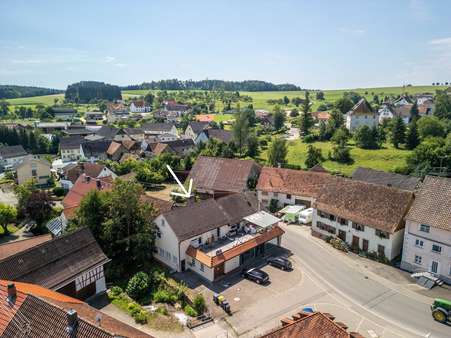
<point x="44" y="314"/>
<point x="205" y="117"/>
<point x="114" y="146"/>
<point x="73" y="172"/>
<point x="11" y="248"/>
<point x="81" y="188"/>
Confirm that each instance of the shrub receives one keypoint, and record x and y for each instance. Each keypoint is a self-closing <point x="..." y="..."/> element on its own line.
<point x="162" y="310"/>
<point x="190" y="311"/>
<point x="140" y="317"/>
<point x="199" y="304"/>
<point x="163" y="296"/>
<point x="59" y="191"/>
<point x="138" y="285"/>
<point x="133" y="308"/>
<point x="310" y="138"/>
<point x="116" y="291"/>
<point x="273" y="205"/>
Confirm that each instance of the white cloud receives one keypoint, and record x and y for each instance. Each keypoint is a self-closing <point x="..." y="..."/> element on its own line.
<point x="353" y="31"/>
<point x="441" y="42"/>
<point x="109" y="59"/>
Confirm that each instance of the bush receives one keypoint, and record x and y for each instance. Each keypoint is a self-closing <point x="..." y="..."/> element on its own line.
<point x="59" y="191"/>
<point x="310" y="138"/>
<point x="162" y="310"/>
<point x="138" y="285"/>
<point x="116" y="291"/>
<point x="190" y="311"/>
<point x="273" y="205"/>
<point x="163" y="296"/>
<point x="199" y="304"/>
<point x="140" y="317"/>
<point x="133" y="308"/>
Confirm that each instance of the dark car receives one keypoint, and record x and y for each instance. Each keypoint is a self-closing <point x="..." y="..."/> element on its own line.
<point x="280" y="262"/>
<point x="256" y="275"/>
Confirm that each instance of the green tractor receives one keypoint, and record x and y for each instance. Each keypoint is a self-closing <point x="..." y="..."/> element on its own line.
<point x="441" y="310"/>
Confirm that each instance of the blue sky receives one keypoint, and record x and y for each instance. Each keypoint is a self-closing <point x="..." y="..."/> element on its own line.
<point x="314" y="44"/>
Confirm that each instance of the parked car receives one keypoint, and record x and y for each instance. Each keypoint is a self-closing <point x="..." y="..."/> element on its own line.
<point x="280" y="262"/>
<point x="256" y="275"/>
<point x="306" y="216"/>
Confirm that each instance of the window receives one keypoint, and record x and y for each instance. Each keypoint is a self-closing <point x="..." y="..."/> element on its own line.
<point x="326" y="227"/>
<point x="382" y="234"/>
<point x="201" y="267"/>
<point x="199" y="240"/>
<point x="289" y="196"/>
<point x="358" y="227"/>
<point x="34" y="172"/>
<point x="332" y="217"/>
<point x="434" y="267"/>
<point x="436" y="248"/>
<point x="419" y="243"/>
<point x="418" y="259"/>
<point x="218" y="232"/>
<point x="381" y="250"/>
<point x="342" y="221"/>
<point x="425" y="228"/>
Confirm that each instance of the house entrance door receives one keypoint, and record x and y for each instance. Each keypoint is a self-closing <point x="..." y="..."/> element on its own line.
<point x="355" y="242"/>
<point x="342" y="235"/>
<point x="365" y="245"/>
<point x="219" y="270"/>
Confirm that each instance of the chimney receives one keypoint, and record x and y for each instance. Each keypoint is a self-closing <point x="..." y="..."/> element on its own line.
<point x="72" y="320"/>
<point x="12" y="292"/>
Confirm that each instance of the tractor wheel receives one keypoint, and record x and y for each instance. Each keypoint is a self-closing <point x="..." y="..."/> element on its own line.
<point x="439" y="315"/>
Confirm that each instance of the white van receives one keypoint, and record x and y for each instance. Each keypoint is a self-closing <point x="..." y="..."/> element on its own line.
<point x="306" y="216"/>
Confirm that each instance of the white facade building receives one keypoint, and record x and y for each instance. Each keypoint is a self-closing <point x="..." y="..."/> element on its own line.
<point x="361" y="115"/>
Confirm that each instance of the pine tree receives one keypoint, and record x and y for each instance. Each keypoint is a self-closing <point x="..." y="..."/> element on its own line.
<point x="306" y="121"/>
<point x="412" y="137"/>
<point x="314" y="157"/>
<point x="414" y="111"/>
<point x="398" y="131"/>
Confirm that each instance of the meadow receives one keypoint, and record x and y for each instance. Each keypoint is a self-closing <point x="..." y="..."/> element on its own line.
<point x="386" y="159"/>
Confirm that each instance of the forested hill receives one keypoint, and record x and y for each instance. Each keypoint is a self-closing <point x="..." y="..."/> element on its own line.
<point x="12" y="92"/>
<point x="92" y="91"/>
<point x="248" y="85"/>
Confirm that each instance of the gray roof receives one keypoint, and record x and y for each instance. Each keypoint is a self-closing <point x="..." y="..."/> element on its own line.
<point x="157" y="126"/>
<point x="399" y="181"/>
<point x="432" y="205"/>
<point x="198" y="126"/>
<point x="222" y="135"/>
<point x="198" y="218"/>
<point x="12" y="151"/>
<point x="95" y="148"/>
<point x="71" y="142"/>
<point x="107" y="132"/>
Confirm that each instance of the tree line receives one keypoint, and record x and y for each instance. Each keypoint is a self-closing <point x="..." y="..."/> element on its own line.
<point x="92" y="91"/>
<point x="32" y="140"/>
<point x="12" y="92"/>
<point x="248" y="85"/>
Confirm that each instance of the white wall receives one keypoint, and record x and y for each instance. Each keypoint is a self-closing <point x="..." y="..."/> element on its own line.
<point x="354" y="121"/>
<point x="167" y="245"/>
<point x="201" y="269"/>
<point x="231" y="264"/>
<point x="435" y="236"/>
<point x="265" y="197"/>
<point x="392" y="245"/>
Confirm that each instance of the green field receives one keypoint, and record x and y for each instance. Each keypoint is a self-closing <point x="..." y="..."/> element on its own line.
<point x="35" y="100"/>
<point x="385" y="159"/>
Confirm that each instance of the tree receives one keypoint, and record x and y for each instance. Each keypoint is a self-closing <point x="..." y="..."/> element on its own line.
<point x="433" y="152"/>
<point x="279" y="119"/>
<point x="4" y="108"/>
<point x="306" y="121"/>
<point x="398" y="132"/>
<point x="320" y="95"/>
<point x="442" y="105"/>
<point x="277" y="152"/>
<point x="241" y="131"/>
<point x="414" y="114"/>
<point x="286" y="100"/>
<point x="341" y="153"/>
<point x="314" y="157"/>
<point x="39" y="207"/>
<point x="93" y="211"/>
<point x="138" y="286"/>
<point x="412" y="137"/>
<point x="344" y="104"/>
<point x="341" y="136"/>
<point x="366" y="137"/>
<point x="252" y="145"/>
<point x="7" y="215"/>
<point x="323" y="132"/>
<point x="430" y="126"/>
<point x="149" y="98"/>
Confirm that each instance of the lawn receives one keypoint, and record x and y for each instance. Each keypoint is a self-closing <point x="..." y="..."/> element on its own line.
<point x="385" y="159"/>
<point x="35" y="100"/>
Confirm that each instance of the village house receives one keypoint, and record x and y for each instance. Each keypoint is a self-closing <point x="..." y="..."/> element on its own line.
<point x="402" y="101"/>
<point x="140" y="106"/>
<point x="427" y="238"/>
<point x="404" y="112"/>
<point x="194" y="129"/>
<point x="115" y="151"/>
<point x="181" y="147"/>
<point x="219" y="135"/>
<point x="63" y="113"/>
<point x="321" y="116"/>
<point x="159" y="128"/>
<point x="71" y="264"/>
<point x="385" y="112"/>
<point x="117" y="111"/>
<point x="166" y="137"/>
<point x="422" y="98"/>
<point x="135" y="134"/>
<point x="107" y="132"/>
<point x="70" y="148"/>
<point x="92" y="117"/>
<point x="368" y="217"/>
<point x="215" y="237"/>
<point x="30" y="310"/>
<point x="361" y="115"/>
<point x="426" y="108"/>
<point x="216" y="176"/>
<point x="73" y="171"/>
<point x="11" y="156"/>
<point x="93" y="151"/>
<point x="51" y="127"/>
<point x="166" y="116"/>
<point x="290" y="187"/>
<point x="404" y="182"/>
<point x="311" y="325"/>
<point x="173" y="106"/>
<point x="33" y="168"/>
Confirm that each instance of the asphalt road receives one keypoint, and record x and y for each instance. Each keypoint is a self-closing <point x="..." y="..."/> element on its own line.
<point x="391" y="306"/>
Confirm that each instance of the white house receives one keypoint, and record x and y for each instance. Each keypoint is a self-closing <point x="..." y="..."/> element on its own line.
<point x="361" y="115"/>
<point x="10" y="156"/>
<point x="427" y="239"/>
<point x="139" y="106"/>
<point x="159" y="128"/>
<point x="401" y="101"/>
<point x="214" y="237"/>
<point x="385" y="113"/>
<point x="70" y="148"/>
<point x="195" y="129"/>
<point x="368" y="217"/>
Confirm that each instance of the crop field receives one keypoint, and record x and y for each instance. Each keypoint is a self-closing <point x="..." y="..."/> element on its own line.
<point x="386" y="159"/>
<point x="36" y="100"/>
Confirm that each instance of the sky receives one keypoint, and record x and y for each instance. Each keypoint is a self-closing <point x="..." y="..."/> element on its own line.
<point x="314" y="44"/>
